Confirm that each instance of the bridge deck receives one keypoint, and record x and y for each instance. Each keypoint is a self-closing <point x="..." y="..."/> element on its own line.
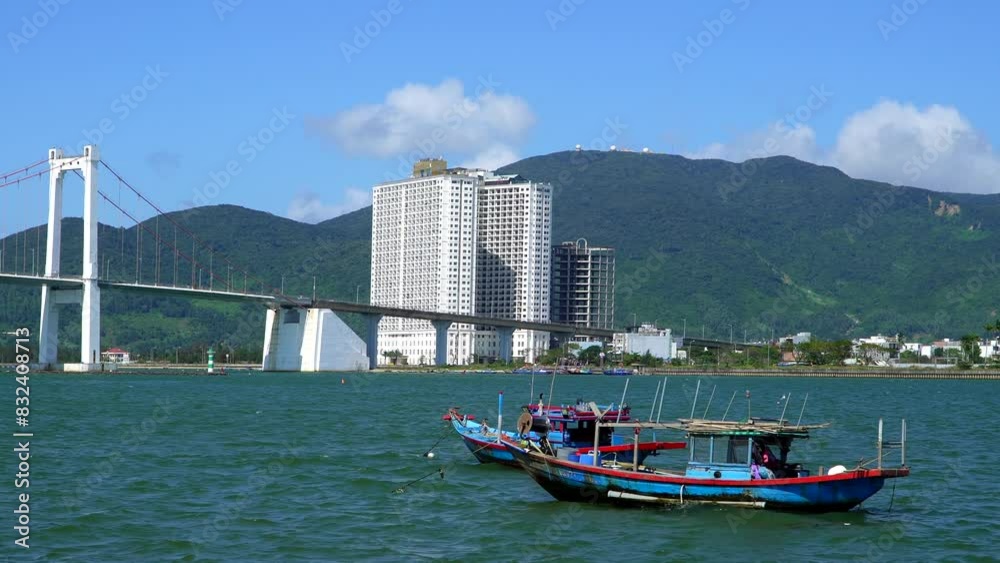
<point x="70" y="282"/>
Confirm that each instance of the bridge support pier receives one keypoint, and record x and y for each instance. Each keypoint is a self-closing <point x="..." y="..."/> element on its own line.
<point x="505" y="340"/>
<point x="48" y="329"/>
<point x="371" y="338"/>
<point x="311" y="340"/>
<point x="441" y="342"/>
<point x="90" y="297"/>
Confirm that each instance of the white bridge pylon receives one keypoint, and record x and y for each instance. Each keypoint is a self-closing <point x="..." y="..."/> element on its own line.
<point x="90" y="296"/>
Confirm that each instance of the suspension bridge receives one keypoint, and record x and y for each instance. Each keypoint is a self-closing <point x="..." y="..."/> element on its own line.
<point x="183" y="265"/>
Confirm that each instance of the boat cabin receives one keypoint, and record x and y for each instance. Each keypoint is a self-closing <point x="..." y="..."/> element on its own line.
<point x="754" y="449"/>
<point x="574" y="426"/>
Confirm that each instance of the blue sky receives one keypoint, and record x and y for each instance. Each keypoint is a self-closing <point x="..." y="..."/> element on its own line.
<point x="315" y="101"/>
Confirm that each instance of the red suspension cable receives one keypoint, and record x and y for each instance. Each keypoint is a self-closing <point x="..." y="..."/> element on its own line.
<point x="25" y="169"/>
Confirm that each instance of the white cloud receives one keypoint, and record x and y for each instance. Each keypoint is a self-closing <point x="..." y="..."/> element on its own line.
<point x="935" y="148"/>
<point x="420" y="120"/>
<point x="308" y="207"/>
<point x="492" y="158"/>
<point x="779" y="138"/>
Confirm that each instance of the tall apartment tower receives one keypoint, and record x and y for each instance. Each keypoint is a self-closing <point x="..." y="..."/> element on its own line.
<point x="583" y="284"/>
<point x="461" y="241"/>
<point x="424" y="257"/>
<point x="512" y="260"/>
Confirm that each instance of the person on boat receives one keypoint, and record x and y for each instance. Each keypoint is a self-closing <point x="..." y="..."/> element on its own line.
<point x="484" y="426"/>
<point x="771" y="461"/>
<point x="763" y="462"/>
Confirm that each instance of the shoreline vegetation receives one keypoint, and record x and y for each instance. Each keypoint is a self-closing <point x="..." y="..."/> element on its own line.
<point x="925" y="372"/>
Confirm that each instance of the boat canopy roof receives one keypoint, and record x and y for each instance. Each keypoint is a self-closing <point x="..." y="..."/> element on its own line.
<point x="752" y="427"/>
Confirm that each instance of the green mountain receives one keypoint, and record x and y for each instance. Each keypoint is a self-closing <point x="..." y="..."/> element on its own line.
<point x="771" y="243"/>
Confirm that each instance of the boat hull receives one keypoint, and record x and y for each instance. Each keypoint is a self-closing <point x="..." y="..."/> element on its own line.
<point x="484" y="448"/>
<point x="489" y="452"/>
<point x="573" y="482"/>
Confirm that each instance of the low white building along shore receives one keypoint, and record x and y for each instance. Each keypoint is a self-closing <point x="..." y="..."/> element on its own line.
<point x="876" y="350"/>
<point x="646" y="338"/>
<point x="115" y="356"/>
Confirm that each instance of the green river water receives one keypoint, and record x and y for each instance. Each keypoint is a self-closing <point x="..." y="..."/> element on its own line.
<point x="296" y="467"/>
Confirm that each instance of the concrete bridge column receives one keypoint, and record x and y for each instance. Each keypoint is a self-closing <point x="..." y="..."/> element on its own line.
<point x="441" y="342"/>
<point x="371" y="340"/>
<point x="505" y="336"/>
<point x="90" y="325"/>
<point x="48" y="330"/>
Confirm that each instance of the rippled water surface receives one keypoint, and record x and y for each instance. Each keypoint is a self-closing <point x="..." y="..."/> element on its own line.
<point x="303" y="467"/>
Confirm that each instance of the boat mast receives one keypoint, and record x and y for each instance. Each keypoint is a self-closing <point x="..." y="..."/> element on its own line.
<point x="710" y="397"/>
<point x="652" y="407"/>
<point x="725" y="414"/>
<point x="663" y="392"/>
<point x="803" y="409"/>
<point x="695" y="402"/>
<point x="781" y="419"/>
<point x="499" y="416"/>
<point x="619" y="417"/>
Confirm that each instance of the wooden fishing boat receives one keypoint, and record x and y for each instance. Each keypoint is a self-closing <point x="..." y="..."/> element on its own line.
<point x="730" y="463"/>
<point x="563" y="431"/>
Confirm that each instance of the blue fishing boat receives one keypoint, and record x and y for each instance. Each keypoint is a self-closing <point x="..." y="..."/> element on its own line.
<point x="564" y="431"/>
<point x="730" y="463"/>
<point x="619" y="371"/>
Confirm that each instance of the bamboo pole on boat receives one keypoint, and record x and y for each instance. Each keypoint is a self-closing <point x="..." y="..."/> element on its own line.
<point x="781" y="419"/>
<point x="803" y="409"/>
<point x="598" y="415"/>
<point x="880" y="443"/>
<point x="710" y="397"/>
<point x="551" y="387"/>
<point x="902" y="445"/>
<point x="499" y="416"/>
<point x="622" y="402"/>
<point x="725" y="414"/>
<point x="652" y="407"/>
<point x="531" y="394"/>
<point x="635" y="450"/>
<point x="695" y="402"/>
<point x="663" y="393"/>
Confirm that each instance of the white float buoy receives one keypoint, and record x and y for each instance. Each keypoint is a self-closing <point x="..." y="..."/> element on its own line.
<point x="430" y="454"/>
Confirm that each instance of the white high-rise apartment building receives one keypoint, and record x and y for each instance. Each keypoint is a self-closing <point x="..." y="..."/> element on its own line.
<point x="423" y="257"/>
<point x="461" y="241"/>
<point x="513" y="260"/>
